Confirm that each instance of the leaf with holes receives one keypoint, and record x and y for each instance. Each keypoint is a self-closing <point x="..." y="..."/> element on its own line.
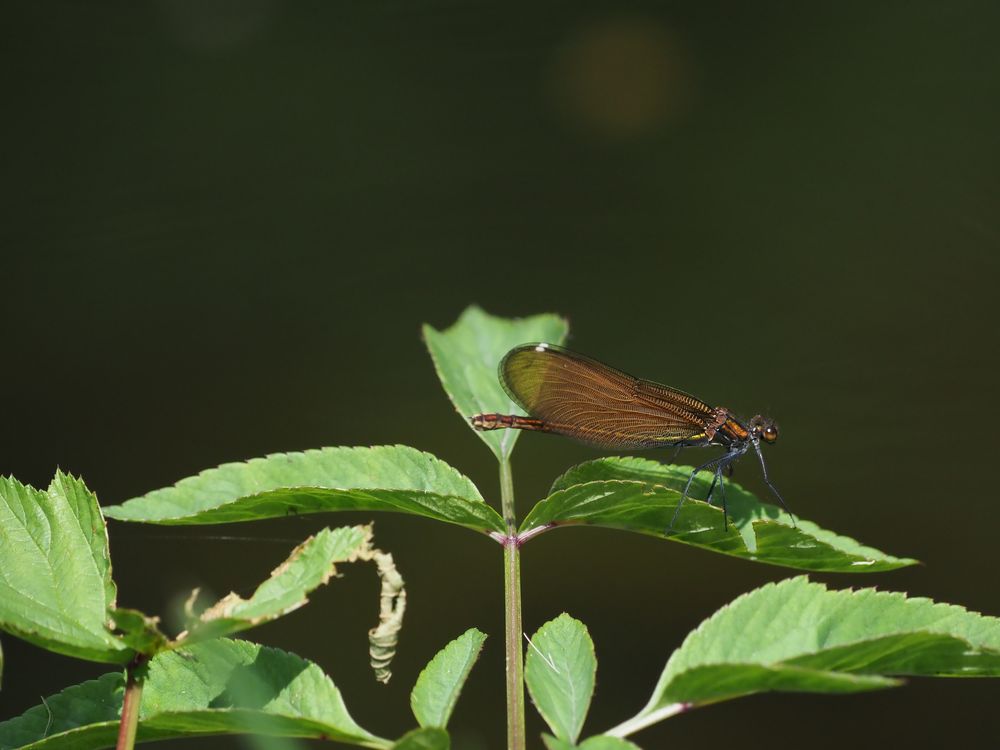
<point x="309" y="566"/>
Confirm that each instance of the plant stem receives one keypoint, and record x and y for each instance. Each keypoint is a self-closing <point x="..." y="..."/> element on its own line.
<point x="507" y="498"/>
<point x="512" y="606"/>
<point x="130" y="706"/>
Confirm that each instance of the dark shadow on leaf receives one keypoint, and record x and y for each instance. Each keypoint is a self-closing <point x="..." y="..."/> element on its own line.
<point x="255" y="685"/>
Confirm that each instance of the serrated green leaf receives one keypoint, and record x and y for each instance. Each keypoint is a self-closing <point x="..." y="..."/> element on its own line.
<point x="467" y="355"/>
<point x="383" y="478"/>
<point x="56" y="587"/>
<point x="799" y="636"/>
<point x="559" y="671"/>
<point x="439" y="684"/>
<point x="216" y="687"/>
<point x="635" y="494"/>
<point x="429" y="738"/>
<point x="600" y="742"/>
<point x="308" y="567"/>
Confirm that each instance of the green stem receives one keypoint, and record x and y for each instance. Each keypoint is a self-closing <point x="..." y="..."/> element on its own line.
<point x="644" y="720"/>
<point x="512" y="606"/>
<point x="130" y="705"/>
<point x="507" y="497"/>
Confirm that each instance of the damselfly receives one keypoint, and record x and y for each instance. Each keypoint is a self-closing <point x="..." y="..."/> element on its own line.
<point x="573" y="395"/>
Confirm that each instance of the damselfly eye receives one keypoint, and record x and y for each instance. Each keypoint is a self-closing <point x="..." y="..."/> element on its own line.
<point x="770" y="433"/>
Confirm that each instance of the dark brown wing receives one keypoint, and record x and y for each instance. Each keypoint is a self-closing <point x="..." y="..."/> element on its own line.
<point x="584" y="399"/>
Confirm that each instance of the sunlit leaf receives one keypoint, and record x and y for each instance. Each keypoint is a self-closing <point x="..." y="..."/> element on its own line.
<point x="216" y="687"/>
<point x="559" y="671"/>
<point x="599" y="742"/>
<point x="467" y="355"/>
<point x="439" y="684"/>
<point x="383" y="478"/>
<point x="607" y="743"/>
<point x="429" y="738"/>
<point x="799" y="636"/>
<point x="309" y="566"/>
<point x="635" y="494"/>
<point x="56" y="588"/>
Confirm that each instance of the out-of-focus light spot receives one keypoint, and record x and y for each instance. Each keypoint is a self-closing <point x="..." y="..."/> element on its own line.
<point x="215" y="25"/>
<point x="621" y="78"/>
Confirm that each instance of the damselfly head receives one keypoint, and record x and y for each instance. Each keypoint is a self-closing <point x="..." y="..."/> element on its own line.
<point x="763" y="428"/>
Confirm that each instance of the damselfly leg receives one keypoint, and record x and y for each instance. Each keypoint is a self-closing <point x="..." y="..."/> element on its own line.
<point x="767" y="481"/>
<point x="719" y="463"/>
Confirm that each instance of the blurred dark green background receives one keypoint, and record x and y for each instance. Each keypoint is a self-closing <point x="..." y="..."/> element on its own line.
<point x="224" y="222"/>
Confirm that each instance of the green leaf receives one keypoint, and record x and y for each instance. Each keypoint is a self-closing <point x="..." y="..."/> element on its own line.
<point x="383" y="478"/>
<point x="600" y="742"/>
<point x="559" y="671"/>
<point x="139" y="631"/>
<point x="799" y="636"/>
<point x="467" y="355"/>
<point x="635" y="494"/>
<point x="439" y="684"/>
<point x="309" y="566"/>
<point x="216" y="687"/>
<point x="56" y="587"/>
<point x="430" y="738"/>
